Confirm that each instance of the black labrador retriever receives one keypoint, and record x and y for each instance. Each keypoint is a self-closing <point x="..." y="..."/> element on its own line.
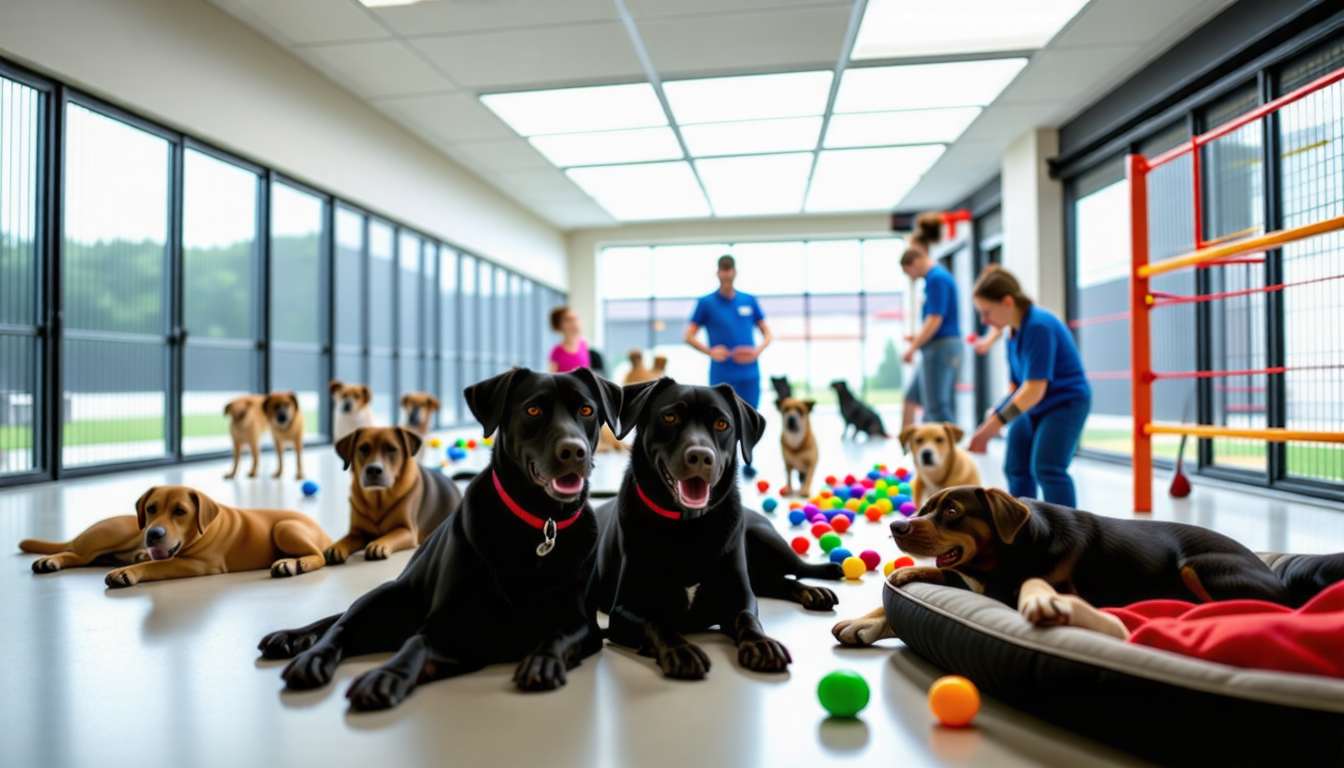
<point x="505" y="577"/>
<point x="678" y="553"/>
<point x="856" y="413"/>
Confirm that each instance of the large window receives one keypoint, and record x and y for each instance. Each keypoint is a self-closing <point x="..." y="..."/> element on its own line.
<point x="350" y="325"/>
<point x="299" y="295"/>
<point x="382" y="322"/>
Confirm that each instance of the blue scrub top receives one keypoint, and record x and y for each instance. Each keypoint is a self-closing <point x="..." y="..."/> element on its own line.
<point x="940" y="298"/>
<point x="732" y="323"/>
<point x="1043" y="348"/>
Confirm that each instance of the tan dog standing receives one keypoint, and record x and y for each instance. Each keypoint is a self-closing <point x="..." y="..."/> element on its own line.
<point x="181" y="532"/>
<point x="286" y="421"/>
<point x="246" y="425"/>
<point x="939" y="463"/>
<point x="394" y="504"/>
<point x="797" y="443"/>
<point x="639" y="372"/>
<point x="349" y="407"/>
<point x="417" y="415"/>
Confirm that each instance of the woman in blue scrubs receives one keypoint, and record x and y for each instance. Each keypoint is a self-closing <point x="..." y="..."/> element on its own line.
<point x="1051" y="398"/>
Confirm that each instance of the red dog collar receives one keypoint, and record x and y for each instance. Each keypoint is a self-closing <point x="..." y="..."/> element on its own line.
<point x="548" y="527"/>
<point x="669" y="514"/>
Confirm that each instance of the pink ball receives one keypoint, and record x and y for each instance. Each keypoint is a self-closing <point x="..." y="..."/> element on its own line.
<point x="867" y="482"/>
<point x="908" y="508"/>
<point x="820" y="517"/>
<point x="849" y="479"/>
<point x="870" y="559"/>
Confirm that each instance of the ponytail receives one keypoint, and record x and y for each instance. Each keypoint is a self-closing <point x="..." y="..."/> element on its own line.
<point x="995" y="283"/>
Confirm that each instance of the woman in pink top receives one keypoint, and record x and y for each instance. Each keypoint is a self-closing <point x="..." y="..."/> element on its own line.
<point x="572" y="351"/>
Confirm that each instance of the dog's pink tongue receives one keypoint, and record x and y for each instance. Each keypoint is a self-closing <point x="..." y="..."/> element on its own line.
<point x="568" y="485"/>
<point x="694" y="492"/>
<point x="158" y="553"/>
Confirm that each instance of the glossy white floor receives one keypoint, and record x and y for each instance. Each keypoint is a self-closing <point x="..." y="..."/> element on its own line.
<point x="167" y="673"/>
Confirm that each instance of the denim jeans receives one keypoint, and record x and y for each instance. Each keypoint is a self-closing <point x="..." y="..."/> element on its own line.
<point x="1039" y="449"/>
<point x="935" y="380"/>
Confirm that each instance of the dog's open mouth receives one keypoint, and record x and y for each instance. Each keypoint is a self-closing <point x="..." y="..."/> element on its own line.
<point x="563" y="487"/>
<point x="692" y="493"/>
<point x="159" y="553"/>
<point x="949" y="558"/>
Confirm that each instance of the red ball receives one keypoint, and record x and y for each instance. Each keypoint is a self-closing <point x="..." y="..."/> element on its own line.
<point x="762" y="485"/>
<point x="840" y="523"/>
<point x="800" y="544"/>
<point x="782" y="492"/>
<point x="870" y="558"/>
<point x="973" y="337"/>
<point x="849" y="479"/>
<point x="902" y="473"/>
<point x="821" y="529"/>
<point x="905" y="561"/>
<point x="830" y="480"/>
<point x="874" y="514"/>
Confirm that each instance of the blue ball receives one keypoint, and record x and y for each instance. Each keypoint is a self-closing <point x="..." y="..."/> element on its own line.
<point x="899" y="500"/>
<point x="309" y="488"/>
<point x="848" y="513"/>
<point x="830" y="513"/>
<point x="875" y="475"/>
<point x="769" y="505"/>
<point x="797" y="517"/>
<point x="748" y="471"/>
<point x="857" y="491"/>
<point x="839" y="554"/>
<point x="456" y="454"/>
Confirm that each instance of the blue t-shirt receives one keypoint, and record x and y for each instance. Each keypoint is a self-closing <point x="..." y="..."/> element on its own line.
<point x="940" y="298"/>
<point x="1043" y="348"/>
<point x="732" y="323"/>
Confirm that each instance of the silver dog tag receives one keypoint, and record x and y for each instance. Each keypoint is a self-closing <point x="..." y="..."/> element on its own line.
<point x="545" y="547"/>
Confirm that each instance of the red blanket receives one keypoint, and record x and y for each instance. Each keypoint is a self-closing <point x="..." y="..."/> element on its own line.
<point x="1246" y="633"/>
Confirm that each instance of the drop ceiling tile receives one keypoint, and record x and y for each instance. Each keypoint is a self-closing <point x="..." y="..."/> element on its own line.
<point x="503" y="155"/>
<point x="1059" y="74"/>
<point x="532" y="58"/>
<point x="376" y="69"/>
<point x="570" y="216"/>
<point x="745" y="41"/>
<point x="540" y="186"/>
<point x="458" y="17"/>
<point x="642" y="8"/>
<point x="1005" y="122"/>
<point x="451" y="117"/>
<point x="314" y="21"/>
<point x="1132" y="21"/>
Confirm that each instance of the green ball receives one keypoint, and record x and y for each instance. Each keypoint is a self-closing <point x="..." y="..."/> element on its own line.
<point x="905" y="488"/>
<point x="829" y="541"/>
<point x="843" y="693"/>
<point x="837" y="502"/>
<point x="460" y="443"/>
<point x="863" y="507"/>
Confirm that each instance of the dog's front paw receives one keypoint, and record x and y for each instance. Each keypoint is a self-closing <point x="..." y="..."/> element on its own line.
<point x="378" y="689"/>
<point x="902" y="576"/>
<point x="817" y="598"/>
<point x="46" y="565"/>
<point x="540" y="672"/>
<point x="230" y="475"/>
<point x="861" y="632"/>
<point x="764" y="655"/>
<point x="286" y="643"/>
<point x="1046" y="610"/>
<point x="684" y="662"/>
<point x="335" y="555"/>
<point x="289" y="567"/>
<point x="276" y="476"/>
<point x="377" y="552"/>
<point x="122" y="577"/>
<point x="310" y="669"/>
<point x="253" y="473"/>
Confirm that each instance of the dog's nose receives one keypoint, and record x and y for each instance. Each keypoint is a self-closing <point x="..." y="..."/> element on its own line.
<point x="155" y="533"/>
<point x="571" y="449"/>
<point x="347" y="406"/>
<point x="373" y="470"/>
<point x="697" y="456"/>
<point x="900" y="527"/>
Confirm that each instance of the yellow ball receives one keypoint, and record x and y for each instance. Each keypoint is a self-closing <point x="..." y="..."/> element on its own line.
<point x="954" y="700"/>
<point x="854" y="568"/>
<point x="853" y="505"/>
<point x="884" y="505"/>
<point x="893" y="490"/>
<point x="434" y="442"/>
<point x="888" y="568"/>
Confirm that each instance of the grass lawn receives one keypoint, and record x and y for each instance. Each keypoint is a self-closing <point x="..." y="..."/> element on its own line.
<point x="105" y="431"/>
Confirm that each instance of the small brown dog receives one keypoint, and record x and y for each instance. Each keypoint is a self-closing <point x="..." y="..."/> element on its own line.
<point x="246" y="425"/>
<point x="350" y="408"/>
<point x="939" y="463"/>
<point x="639" y="372"/>
<point x="394" y="504"/>
<point x="798" y="444"/>
<point x="181" y="532"/>
<point x="417" y="415"/>
<point x="286" y="421"/>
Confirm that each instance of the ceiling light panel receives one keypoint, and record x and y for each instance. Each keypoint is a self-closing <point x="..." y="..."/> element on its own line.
<point x="925" y="86"/>
<point x="959" y="26"/>
<point x="920" y="126"/>
<point x="867" y="179"/>
<point x="754" y="97"/>
<point x="577" y="110"/>
<point x="752" y="137"/>
<point x="609" y="147"/>
<point x="643" y="192"/>
<point x="757" y="185"/>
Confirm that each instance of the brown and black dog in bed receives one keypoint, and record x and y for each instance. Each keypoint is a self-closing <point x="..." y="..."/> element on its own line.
<point x="992" y="543"/>
<point x="178" y="532"/>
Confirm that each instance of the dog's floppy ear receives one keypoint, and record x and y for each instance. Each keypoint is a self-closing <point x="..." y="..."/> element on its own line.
<point x="140" y="506"/>
<point x="366" y="393"/>
<point x="228" y="407"/>
<point x="779" y="404"/>
<point x="334" y="386"/>
<point x="634" y="399"/>
<point x="810" y="404"/>
<point x="206" y="510"/>
<point x="1008" y="513"/>
<point x="750" y="423"/>
<point x="293" y="398"/>
<point x="410" y="442"/>
<point x="345" y="448"/>
<point x="609" y="397"/>
<point x="906" y="434"/>
<point x="405" y="401"/>
<point x="954" y="433"/>
<point x="434" y="402"/>
<point x="487" y="399"/>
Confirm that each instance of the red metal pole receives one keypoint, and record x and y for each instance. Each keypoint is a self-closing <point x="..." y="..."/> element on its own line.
<point x="1199" y="196"/>
<point x="1140" y="349"/>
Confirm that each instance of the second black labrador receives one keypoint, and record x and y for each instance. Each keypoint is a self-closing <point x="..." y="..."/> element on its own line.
<point x="502" y="580"/>
<point x="856" y="413"/>
<point x="678" y="552"/>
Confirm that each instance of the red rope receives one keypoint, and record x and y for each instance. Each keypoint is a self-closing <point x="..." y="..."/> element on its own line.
<point x="1168" y="299"/>
<point x="1248" y="372"/>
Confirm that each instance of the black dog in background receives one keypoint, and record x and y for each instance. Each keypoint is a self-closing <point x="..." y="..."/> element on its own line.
<point x="783" y="389"/>
<point x="504" y="579"/>
<point x="857" y="414"/>
<point x="678" y="553"/>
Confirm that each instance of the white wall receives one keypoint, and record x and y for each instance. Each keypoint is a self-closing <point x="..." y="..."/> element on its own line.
<point x="1033" y="218"/>
<point x="190" y="66"/>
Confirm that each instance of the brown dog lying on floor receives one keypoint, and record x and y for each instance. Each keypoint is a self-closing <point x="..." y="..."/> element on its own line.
<point x="986" y="540"/>
<point x="417" y="415"/>
<point x="181" y="532"/>
<point x="286" y="421"/>
<point x="394" y="504"/>
<point x="246" y="425"/>
<point x="939" y="463"/>
<point x="798" y="444"/>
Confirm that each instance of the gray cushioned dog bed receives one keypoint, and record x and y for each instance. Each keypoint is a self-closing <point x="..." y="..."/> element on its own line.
<point x="1164" y="707"/>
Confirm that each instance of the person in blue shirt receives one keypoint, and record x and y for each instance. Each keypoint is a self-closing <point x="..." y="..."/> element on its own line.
<point x="939" y="338"/>
<point x="730" y="318"/>
<point x="1051" y="398"/>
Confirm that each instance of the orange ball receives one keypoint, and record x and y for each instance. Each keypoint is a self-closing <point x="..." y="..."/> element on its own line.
<point x="873" y="514"/>
<point x="840" y="523"/>
<point x="904" y="561"/>
<point x="954" y="700"/>
<point x="795" y="505"/>
<point x="825" y="493"/>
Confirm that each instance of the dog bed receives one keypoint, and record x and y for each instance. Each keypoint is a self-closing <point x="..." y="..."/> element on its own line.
<point x="1163" y="707"/>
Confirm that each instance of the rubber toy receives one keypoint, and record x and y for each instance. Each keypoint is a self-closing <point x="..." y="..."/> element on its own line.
<point x="908" y="508"/>
<point x="829" y="542"/>
<point x="830" y="480"/>
<point x="796" y="517"/>
<point x="840" y="523"/>
<point x="471" y="444"/>
<point x="843" y="693"/>
<point x="954" y="700"/>
<point x="800" y="544"/>
<point x="888" y="568"/>
<point x="435" y="442"/>
<point x="769" y="505"/>
<point x="748" y="471"/>
<point x="873" y="513"/>
<point x="309" y="488"/>
<point x="457" y="454"/>
<point x="853" y="568"/>
<point x="870" y="559"/>
<point x="904" y="561"/>
<point x="488" y="441"/>
<point x="839" y="554"/>
<point x="821" y="529"/>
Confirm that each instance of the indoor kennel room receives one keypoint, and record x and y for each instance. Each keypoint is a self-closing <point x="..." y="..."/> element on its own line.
<point x="667" y="384"/>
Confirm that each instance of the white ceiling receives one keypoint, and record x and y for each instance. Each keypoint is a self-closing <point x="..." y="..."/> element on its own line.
<point x="425" y="65"/>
